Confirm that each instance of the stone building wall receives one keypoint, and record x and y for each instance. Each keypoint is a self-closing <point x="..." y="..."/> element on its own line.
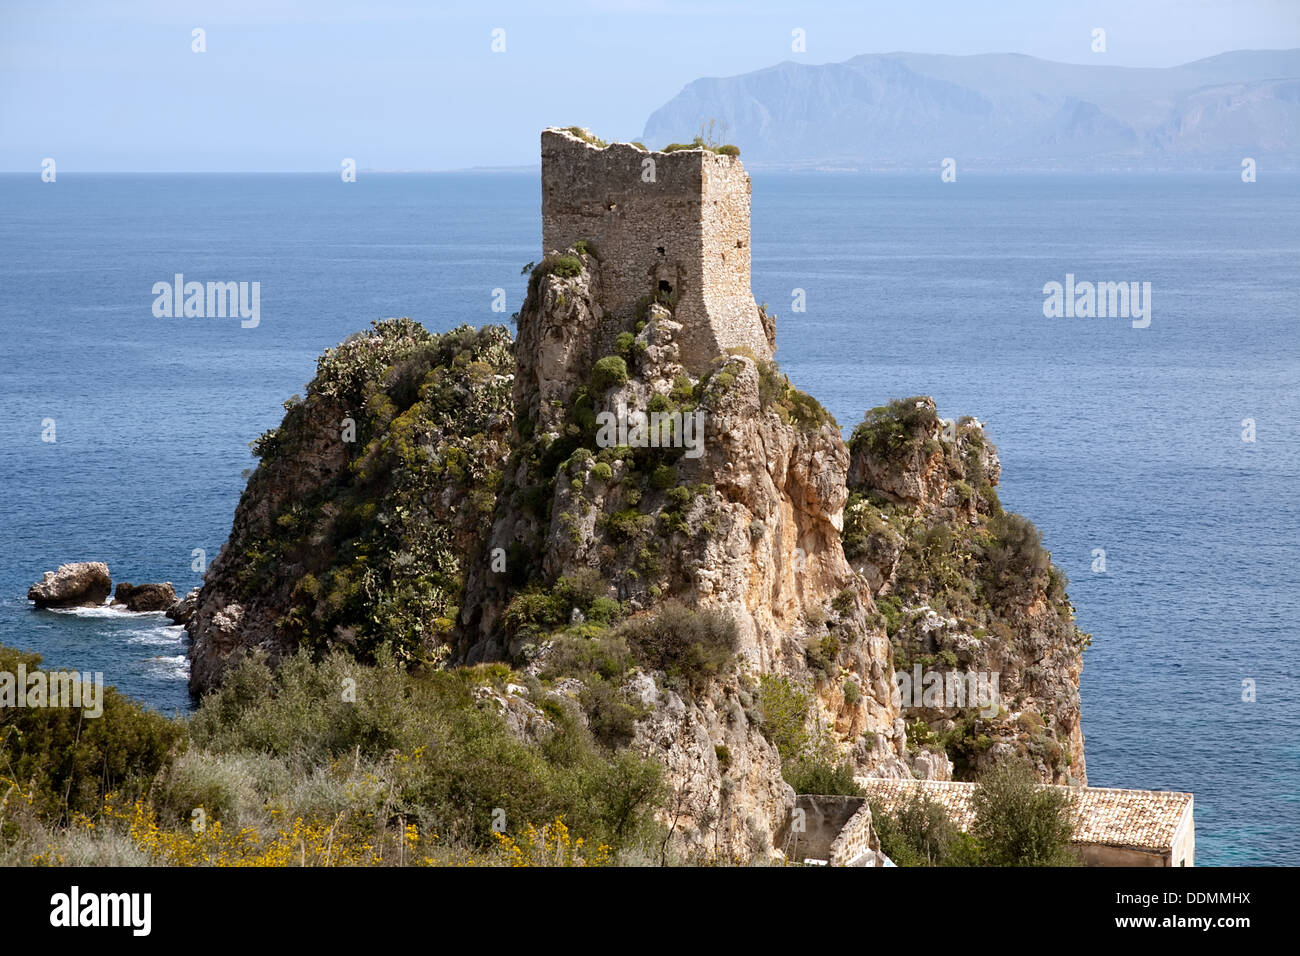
<point x="684" y="233"/>
<point x="857" y="844"/>
<point x="821" y="820"/>
<point x="835" y="831"/>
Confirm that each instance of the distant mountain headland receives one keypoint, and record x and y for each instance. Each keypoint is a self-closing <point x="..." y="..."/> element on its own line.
<point x="1002" y="111"/>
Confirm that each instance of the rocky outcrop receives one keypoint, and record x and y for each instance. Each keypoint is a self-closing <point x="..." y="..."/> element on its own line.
<point x="740" y="515"/>
<point x="369" y="501"/>
<point x="180" y="612"/>
<point x="145" y="597"/>
<point x="680" y="547"/>
<point x="727" y="796"/>
<point x="83" y="584"/>
<point x="967" y="591"/>
<point x="504" y="507"/>
<point x="747" y="522"/>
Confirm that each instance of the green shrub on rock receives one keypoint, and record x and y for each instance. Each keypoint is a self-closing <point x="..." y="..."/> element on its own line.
<point x="690" y="646"/>
<point x="609" y="372"/>
<point x="68" y="761"/>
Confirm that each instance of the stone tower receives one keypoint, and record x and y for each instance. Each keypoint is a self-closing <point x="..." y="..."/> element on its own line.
<point x="677" y="224"/>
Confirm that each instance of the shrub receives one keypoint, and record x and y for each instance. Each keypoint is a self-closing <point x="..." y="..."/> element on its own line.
<point x="1057" y="582"/>
<point x="699" y="143"/>
<point x="233" y="788"/>
<point x="891" y="607"/>
<point x="566" y="267"/>
<point x="1018" y="821"/>
<point x="609" y="372"/>
<point x="791" y="405"/>
<point x="901" y="427"/>
<point x="1015" y="559"/>
<point x="606" y="655"/>
<point x="822" y="655"/>
<point x="586" y="136"/>
<point x="603" y="610"/>
<point x="455" y="761"/>
<point x="784" y="708"/>
<point x="919" y="832"/>
<point x="819" y="774"/>
<point x="691" y="646"/>
<point x="920" y="736"/>
<point x="683" y="390"/>
<point x="626" y="524"/>
<point x="611" y="715"/>
<point x="663" y="477"/>
<point x="68" y="761"/>
<point x="579" y="589"/>
<point x="532" y="612"/>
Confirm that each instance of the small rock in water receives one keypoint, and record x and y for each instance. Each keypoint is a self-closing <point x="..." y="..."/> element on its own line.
<point x="145" y="597"/>
<point x="82" y="584"/>
<point x="181" y="612"/>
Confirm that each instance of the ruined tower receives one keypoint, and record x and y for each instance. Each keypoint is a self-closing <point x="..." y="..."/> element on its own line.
<point x="673" y="223"/>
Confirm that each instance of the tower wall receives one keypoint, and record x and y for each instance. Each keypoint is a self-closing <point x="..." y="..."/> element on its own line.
<point x="686" y="232"/>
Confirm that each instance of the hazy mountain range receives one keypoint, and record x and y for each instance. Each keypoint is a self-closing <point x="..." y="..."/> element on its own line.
<point x="1001" y="111"/>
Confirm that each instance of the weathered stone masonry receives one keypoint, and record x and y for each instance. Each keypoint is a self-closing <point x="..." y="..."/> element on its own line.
<point x="685" y="233"/>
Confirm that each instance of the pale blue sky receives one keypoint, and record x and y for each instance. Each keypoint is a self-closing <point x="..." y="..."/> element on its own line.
<point x="288" y="86"/>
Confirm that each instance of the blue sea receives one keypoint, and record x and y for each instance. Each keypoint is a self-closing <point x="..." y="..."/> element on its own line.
<point x="1114" y="438"/>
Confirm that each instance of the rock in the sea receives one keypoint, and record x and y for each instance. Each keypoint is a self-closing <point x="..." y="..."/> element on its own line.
<point x="181" y="612"/>
<point x="145" y="597"/>
<point x="83" y="584"/>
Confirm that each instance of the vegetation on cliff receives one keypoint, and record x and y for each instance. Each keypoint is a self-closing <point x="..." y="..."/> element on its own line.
<point x="321" y="762"/>
<point x="963" y="585"/>
<point x="373" y="550"/>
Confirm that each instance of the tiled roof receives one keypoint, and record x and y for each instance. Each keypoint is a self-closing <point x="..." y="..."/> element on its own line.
<point x="1135" y="818"/>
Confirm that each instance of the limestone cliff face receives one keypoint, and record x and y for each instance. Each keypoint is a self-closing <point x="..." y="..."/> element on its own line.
<point x="744" y="517"/>
<point x="966" y="589"/>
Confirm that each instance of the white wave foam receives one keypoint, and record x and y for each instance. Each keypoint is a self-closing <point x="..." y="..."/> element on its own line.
<point x="158" y="636"/>
<point x="170" y="668"/>
<point x="118" y="612"/>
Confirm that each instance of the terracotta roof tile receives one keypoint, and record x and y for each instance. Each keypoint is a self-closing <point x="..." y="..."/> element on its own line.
<point x="1134" y="818"/>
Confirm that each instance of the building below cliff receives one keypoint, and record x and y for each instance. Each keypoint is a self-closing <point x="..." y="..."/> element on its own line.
<point x="1111" y="827"/>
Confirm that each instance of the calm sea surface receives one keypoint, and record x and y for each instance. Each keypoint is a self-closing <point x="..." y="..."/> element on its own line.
<point x="1127" y="440"/>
